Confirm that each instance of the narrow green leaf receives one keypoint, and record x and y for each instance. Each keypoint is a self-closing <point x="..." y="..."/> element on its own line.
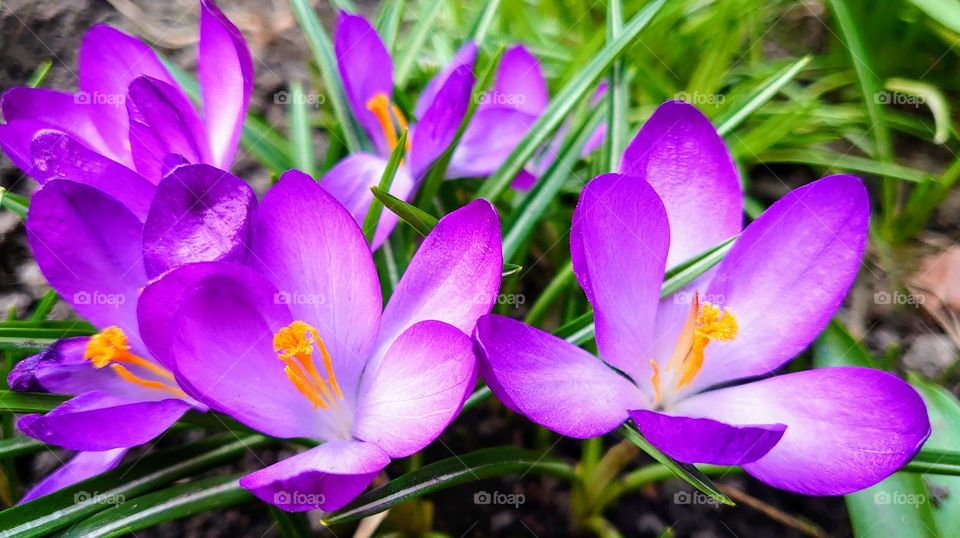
<point x="418" y="36"/>
<point x="510" y="269"/>
<point x="20" y="446"/>
<point x="169" y="504"/>
<point x="687" y="472"/>
<point x="836" y="161"/>
<point x="481" y="26"/>
<point x="291" y="524"/>
<point x="483" y="463"/>
<point x="561" y="105"/>
<point x="326" y="61"/>
<point x="388" y="24"/>
<point x="40" y="74"/>
<point x="14" y="203"/>
<point x="46" y="304"/>
<point x="420" y="220"/>
<point x="735" y="115"/>
<point x="66" y="506"/>
<point x="29" y="335"/>
<point x="616" y="136"/>
<point x="924" y="93"/>
<point x="29" y="402"/>
<point x="372" y="219"/>
<point x="946" y="12"/>
<point x="300" y="128"/>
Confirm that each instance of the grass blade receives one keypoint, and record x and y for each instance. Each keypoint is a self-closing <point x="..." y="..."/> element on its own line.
<point x="418" y="36"/>
<point x="836" y="161"/>
<point x="734" y="116"/>
<point x="481" y="26"/>
<point x="14" y="203"/>
<point x="300" y="129"/>
<point x="420" y="220"/>
<point x="372" y="219"/>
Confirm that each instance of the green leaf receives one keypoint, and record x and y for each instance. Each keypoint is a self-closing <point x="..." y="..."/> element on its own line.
<point x="481" y="26"/>
<point x="300" y="128"/>
<point x="418" y="36"/>
<point x="687" y="472"/>
<point x="418" y="219"/>
<point x="20" y="446"/>
<point x="40" y="74"/>
<point x="560" y="106"/>
<point x="14" y="203"/>
<point x="29" y="402"/>
<point x="477" y="465"/>
<point x="735" y="115"/>
<point x="326" y="61"/>
<point x="946" y="12"/>
<point x="18" y="335"/>
<point x="372" y="219"/>
<point x="838" y="161"/>
<point x="510" y="269"/>
<point x="934" y="99"/>
<point x="169" y="504"/>
<point x="616" y="137"/>
<point x="66" y="506"/>
<point x="291" y="524"/>
<point x="388" y="23"/>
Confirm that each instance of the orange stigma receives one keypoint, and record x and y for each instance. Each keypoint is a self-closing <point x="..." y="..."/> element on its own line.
<point x="294" y="346"/>
<point x="391" y="119"/>
<point x="110" y="348"/>
<point x="705" y="323"/>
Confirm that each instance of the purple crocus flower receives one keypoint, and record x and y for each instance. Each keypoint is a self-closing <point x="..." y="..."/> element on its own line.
<point x="504" y="116"/>
<point x="130" y="122"/>
<point x="297" y="344"/>
<point x="693" y="370"/>
<point x="99" y="255"/>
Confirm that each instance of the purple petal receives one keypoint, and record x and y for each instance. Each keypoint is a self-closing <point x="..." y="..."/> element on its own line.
<point x="225" y="70"/>
<point x="681" y="155"/>
<point x="417" y="389"/>
<point x="109" y="61"/>
<point x="200" y="213"/>
<point x="58" y="110"/>
<point x="309" y="246"/>
<point x="57" y="155"/>
<point x="350" y="181"/>
<point x="222" y="348"/>
<point x="162" y="121"/>
<point x="786" y="276"/>
<point x="358" y="48"/>
<point x="82" y="465"/>
<point x="326" y="477"/>
<point x="453" y="278"/>
<point x="618" y="243"/>
<point x="703" y="440"/>
<point x="439" y="124"/>
<point x="88" y="246"/>
<point x="97" y="421"/>
<point x="467" y="55"/>
<point x="15" y="140"/>
<point x="520" y="84"/>
<point x="490" y="137"/>
<point x="551" y="381"/>
<point x="847" y="428"/>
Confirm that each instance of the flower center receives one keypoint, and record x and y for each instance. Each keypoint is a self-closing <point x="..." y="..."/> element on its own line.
<point x="110" y="348"/>
<point x="390" y="118"/>
<point x="294" y="345"/>
<point x="705" y="323"/>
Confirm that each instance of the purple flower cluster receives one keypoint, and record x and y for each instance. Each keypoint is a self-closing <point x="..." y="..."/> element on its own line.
<point x="270" y="311"/>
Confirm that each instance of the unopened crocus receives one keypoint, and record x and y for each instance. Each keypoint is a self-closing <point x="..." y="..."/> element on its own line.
<point x="502" y="117"/>
<point x="130" y="121"/>
<point x="694" y="371"/>
<point x="98" y="255"/>
<point x="297" y="344"/>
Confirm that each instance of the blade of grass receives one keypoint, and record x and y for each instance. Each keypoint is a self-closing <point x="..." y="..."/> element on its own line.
<point x="735" y="115"/>
<point x="835" y="161"/>
<point x="372" y="219"/>
<point x="420" y="220"/>
<point x="20" y="446"/>
<point x="418" y="36"/>
<point x="40" y="74"/>
<point x="571" y="94"/>
<point x="481" y="26"/>
<point x="616" y="136"/>
<point x="388" y="23"/>
<point x="14" y="203"/>
<point x="300" y="128"/>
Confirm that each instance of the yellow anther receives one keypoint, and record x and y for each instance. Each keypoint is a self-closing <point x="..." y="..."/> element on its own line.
<point x="655" y="381"/>
<point x="294" y="346"/>
<point x="390" y="118"/>
<point x="110" y="347"/>
<point x="716" y="324"/>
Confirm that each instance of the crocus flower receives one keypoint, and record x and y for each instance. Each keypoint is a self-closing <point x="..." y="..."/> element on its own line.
<point x="99" y="255"/>
<point x="500" y="121"/>
<point x="130" y="122"/>
<point x="694" y="371"/>
<point x="296" y="345"/>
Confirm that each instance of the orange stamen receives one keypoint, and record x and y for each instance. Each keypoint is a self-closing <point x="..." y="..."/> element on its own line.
<point x="129" y="376"/>
<point x="655" y="381"/>
<point x="110" y="347"/>
<point x="390" y="118"/>
<point x="294" y="346"/>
